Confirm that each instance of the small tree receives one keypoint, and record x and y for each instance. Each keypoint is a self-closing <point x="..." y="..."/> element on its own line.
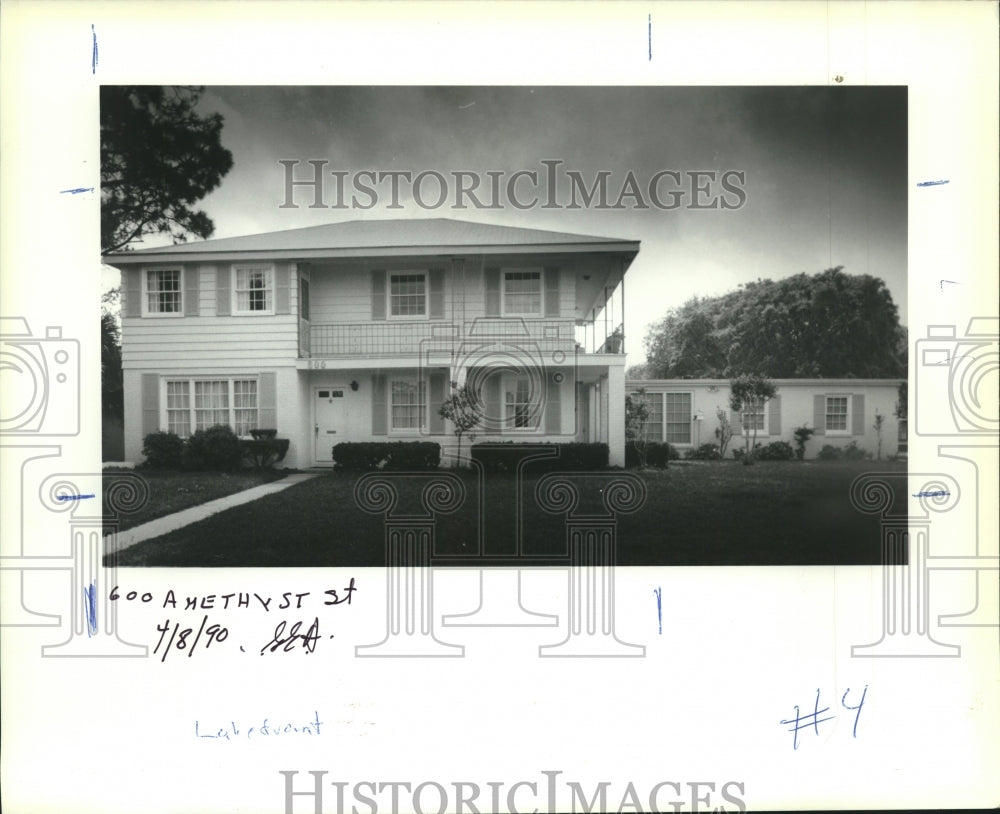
<point x="636" y="416"/>
<point x="748" y="394"/>
<point x="802" y="436"/>
<point x="463" y="409"/>
<point x="879" y="421"/>
<point x="724" y="432"/>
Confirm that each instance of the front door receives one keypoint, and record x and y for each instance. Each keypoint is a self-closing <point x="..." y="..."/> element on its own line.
<point x="329" y="421"/>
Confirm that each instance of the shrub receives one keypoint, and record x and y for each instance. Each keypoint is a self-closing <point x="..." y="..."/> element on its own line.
<point x="739" y="453"/>
<point x="830" y="453"/>
<point x="852" y="452"/>
<point x="706" y="452"/>
<point x="263" y="453"/>
<point x="504" y="457"/>
<point x="802" y="436"/>
<point x="395" y="456"/>
<point x="163" y="450"/>
<point x="216" y="449"/>
<point x="776" y="451"/>
<point x="658" y="454"/>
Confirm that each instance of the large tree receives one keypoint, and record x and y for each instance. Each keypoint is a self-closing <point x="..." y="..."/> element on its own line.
<point x="828" y="324"/>
<point x="158" y="158"/>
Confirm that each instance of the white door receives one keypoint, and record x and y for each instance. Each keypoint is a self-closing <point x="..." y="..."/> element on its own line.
<point x="329" y="421"/>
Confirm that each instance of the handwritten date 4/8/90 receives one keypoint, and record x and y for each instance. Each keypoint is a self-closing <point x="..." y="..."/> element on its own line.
<point x="186" y="640"/>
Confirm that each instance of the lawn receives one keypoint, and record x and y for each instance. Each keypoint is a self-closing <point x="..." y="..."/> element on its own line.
<point x="171" y="492"/>
<point x="714" y="513"/>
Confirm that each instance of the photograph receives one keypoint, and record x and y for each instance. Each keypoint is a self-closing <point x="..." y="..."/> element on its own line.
<point x="694" y="297"/>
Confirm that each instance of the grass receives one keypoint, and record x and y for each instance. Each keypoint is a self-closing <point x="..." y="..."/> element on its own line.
<point x="171" y="492"/>
<point x="717" y="513"/>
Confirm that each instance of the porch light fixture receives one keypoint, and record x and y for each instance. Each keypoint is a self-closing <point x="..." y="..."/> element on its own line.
<point x="354" y="385"/>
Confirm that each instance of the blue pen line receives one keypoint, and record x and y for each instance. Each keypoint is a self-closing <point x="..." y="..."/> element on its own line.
<point x="649" y="25"/>
<point x="76" y="191"/>
<point x="93" y="56"/>
<point x="659" y="606"/>
<point x="931" y="183"/>
<point x="90" y="604"/>
<point x="74" y="497"/>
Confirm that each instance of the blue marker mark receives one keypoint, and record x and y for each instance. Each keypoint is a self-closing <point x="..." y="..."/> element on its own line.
<point x="76" y="191"/>
<point x="649" y="24"/>
<point x="932" y="494"/>
<point x="93" y="55"/>
<point x="90" y="604"/>
<point x="74" y="497"/>
<point x="659" y="606"/>
<point x="843" y="702"/>
<point x="931" y="183"/>
<point x="802" y="721"/>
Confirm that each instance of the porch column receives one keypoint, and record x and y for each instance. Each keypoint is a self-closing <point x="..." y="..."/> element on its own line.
<point x="616" y="415"/>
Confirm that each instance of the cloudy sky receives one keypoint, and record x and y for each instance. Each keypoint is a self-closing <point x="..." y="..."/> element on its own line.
<point x="825" y="171"/>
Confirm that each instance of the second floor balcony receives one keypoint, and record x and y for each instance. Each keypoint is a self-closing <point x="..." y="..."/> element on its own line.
<point x="381" y="339"/>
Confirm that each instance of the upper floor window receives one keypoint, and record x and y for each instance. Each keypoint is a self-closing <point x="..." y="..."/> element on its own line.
<point x="522" y="293"/>
<point x="408" y="294"/>
<point x="254" y="290"/>
<point x="837" y="408"/>
<point x="163" y="292"/>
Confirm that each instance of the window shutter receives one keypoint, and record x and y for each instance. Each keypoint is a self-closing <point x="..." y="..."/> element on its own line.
<point x="492" y="292"/>
<point x="282" y="296"/>
<point x="435" y="301"/>
<point x="267" y="401"/>
<point x="735" y="421"/>
<point x="378" y="294"/>
<point x="493" y="420"/>
<point x="192" y="282"/>
<point x="150" y="403"/>
<point x="819" y="415"/>
<point x="551" y="292"/>
<point x="774" y="416"/>
<point x="380" y="407"/>
<point x="132" y="279"/>
<point x="223" y="291"/>
<point x="553" y="404"/>
<point x="437" y="388"/>
<point x="857" y="414"/>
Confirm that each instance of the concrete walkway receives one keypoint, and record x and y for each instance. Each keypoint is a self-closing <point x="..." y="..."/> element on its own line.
<point x="163" y="525"/>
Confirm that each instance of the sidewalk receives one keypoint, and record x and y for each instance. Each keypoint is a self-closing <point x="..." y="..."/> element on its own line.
<point x="163" y="525"/>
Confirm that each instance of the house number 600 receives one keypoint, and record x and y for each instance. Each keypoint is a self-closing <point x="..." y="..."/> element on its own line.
<point x="317" y="365"/>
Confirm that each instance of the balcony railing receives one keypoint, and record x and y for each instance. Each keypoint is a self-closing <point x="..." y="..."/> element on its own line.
<point x="410" y="338"/>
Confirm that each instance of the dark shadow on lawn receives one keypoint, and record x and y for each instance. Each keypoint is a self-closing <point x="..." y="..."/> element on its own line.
<point x="719" y="513"/>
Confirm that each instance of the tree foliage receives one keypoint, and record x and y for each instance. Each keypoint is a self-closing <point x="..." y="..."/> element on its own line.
<point x="465" y="412"/>
<point x="748" y="393"/>
<point x="830" y="324"/>
<point x="636" y="418"/>
<point x="158" y="158"/>
<point x="112" y="390"/>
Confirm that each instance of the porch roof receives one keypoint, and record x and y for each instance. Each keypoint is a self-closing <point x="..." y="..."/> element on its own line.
<point x="380" y="238"/>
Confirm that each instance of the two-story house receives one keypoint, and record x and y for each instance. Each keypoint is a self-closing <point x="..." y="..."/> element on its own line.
<point x="353" y="332"/>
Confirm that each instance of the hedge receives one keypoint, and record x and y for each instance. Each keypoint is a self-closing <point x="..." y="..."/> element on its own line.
<point x="163" y="450"/>
<point x="657" y="454"/>
<point x="364" y="456"/>
<point x="263" y="453"/>
<point x="216" y="449"/>
<point x="572" y="457"/>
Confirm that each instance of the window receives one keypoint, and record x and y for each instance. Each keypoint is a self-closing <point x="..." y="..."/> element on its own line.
<point x="254" y="290"/>
<point x="232" y="402"/>
<point x="408" y="405"/>
<point x="519" y="413"/>
<point x="836" y="413"/>
<point x="408" y="295"/>
<point x="522" y="293"/>
<point x="677" y="417"/>
<point x="753" y="418"/>
<point x="163" y="291"/>
<point x="652" y="430"/>
<point x="303" y="298"/>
